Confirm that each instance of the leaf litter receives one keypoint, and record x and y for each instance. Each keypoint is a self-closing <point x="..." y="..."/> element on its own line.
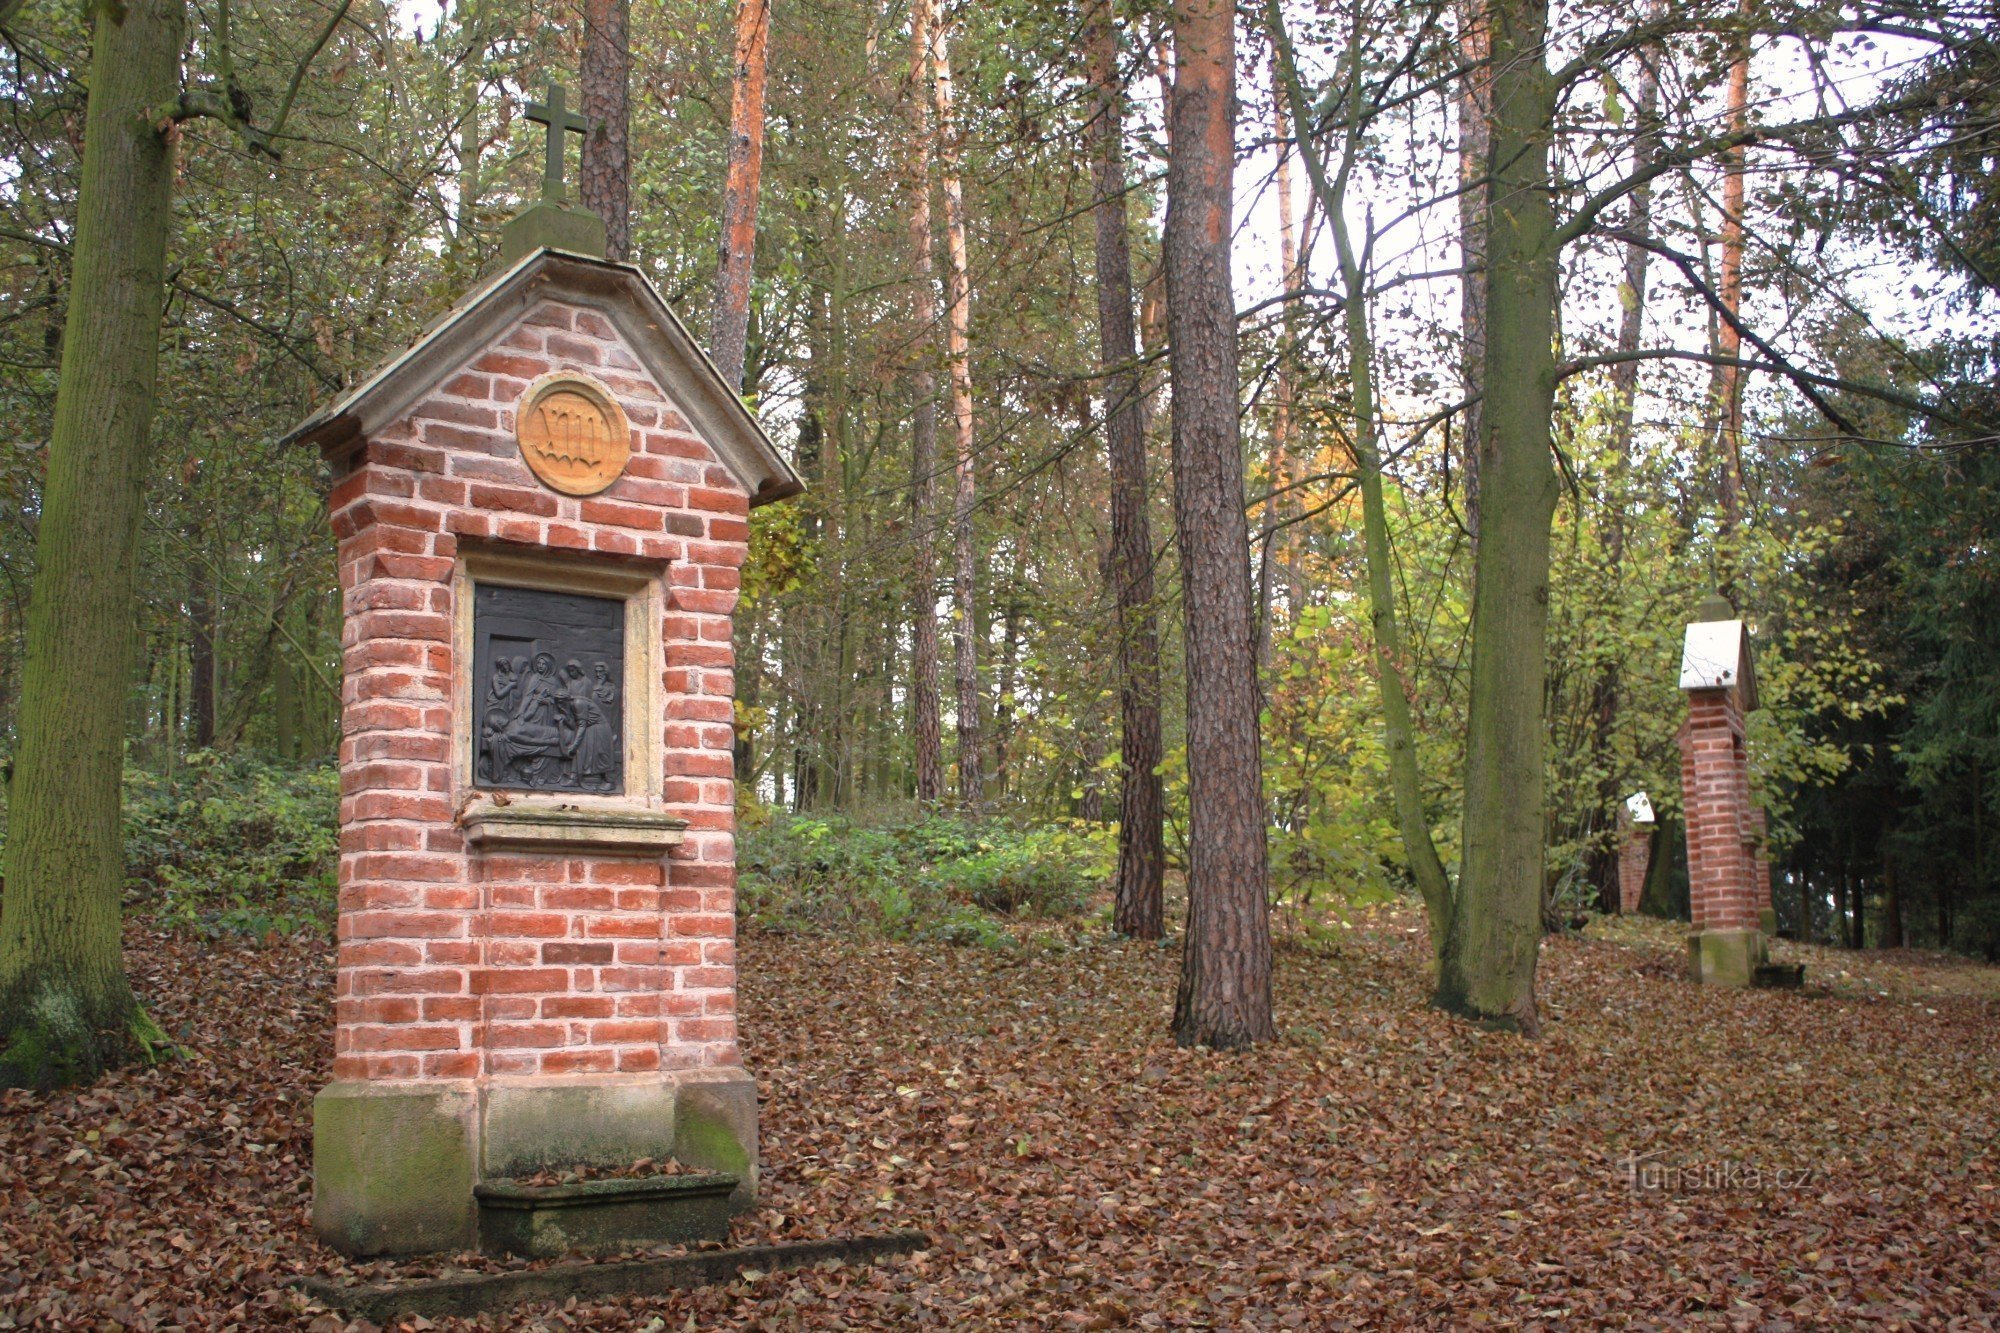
<point x="1663" y="1156"/>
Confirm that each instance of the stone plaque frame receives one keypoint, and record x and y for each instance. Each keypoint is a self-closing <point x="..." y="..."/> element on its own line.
<point x="618" y="445"/>
<point x="632" y="819"/>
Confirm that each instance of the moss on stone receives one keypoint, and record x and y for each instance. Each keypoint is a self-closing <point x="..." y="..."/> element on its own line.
<point x="393" y="1168"/>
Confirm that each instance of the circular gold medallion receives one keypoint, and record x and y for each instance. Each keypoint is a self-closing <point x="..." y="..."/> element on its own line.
<point x="573" y="434"/>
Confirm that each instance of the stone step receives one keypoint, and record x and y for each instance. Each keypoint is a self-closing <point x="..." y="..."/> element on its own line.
<point x="600" y="1216"/>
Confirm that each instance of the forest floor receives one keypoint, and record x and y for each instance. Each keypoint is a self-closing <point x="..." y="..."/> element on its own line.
<point x="1663" y="1155"/>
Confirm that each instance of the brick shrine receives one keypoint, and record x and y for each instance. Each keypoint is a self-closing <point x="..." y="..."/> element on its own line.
<point x="537" y="871"/>
<point x="1635" y="852"/>
<point x="1729" y="881"/>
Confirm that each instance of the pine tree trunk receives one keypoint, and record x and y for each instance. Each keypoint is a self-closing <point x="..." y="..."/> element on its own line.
<point x="604" y="177"/>
<point x="958" y="329"/>
<point x="926" y="726"/>
<point x="1728" y="386"/>
<point x="66" y="1009"/>
<point x="1487" y="969"/>
<point x="1137" y="893"/>
<point x="730" y="321"/>
<point x="1281" y="550"/>
<point x="1224" y="998"/>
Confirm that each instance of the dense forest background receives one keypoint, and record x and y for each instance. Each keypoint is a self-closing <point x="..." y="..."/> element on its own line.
<point x="1844" y="494"/>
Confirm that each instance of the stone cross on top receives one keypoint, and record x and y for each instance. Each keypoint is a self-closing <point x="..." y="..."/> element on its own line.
<point x="552" y="222"/>
<point x="554" y="112"/>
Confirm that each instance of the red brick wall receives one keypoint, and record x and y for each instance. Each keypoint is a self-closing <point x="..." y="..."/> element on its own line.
<point x="458" y="965"/>
<point x="1715" y="788"/>
<point x="1634" y="854"/>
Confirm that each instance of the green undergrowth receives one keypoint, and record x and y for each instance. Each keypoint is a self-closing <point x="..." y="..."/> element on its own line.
<point x="233" y="845"/>
<point x="936" y="877"/>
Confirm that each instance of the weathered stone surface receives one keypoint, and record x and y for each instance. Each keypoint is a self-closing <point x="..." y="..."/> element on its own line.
<point x="483" y="1293"/>
<point x="601" y="1216"/>
<point x="393" y="1167"/>
<point x="1725" y="957"/>
<point x="558" y="1124"/>
<point x="715" y="1127"/>
<point x="576" y="231"/>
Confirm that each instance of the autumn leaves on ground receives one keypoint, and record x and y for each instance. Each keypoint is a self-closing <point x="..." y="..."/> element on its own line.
<point x="1663" y="1155"/>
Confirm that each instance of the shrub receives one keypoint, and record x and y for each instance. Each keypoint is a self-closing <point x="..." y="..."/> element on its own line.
<point x="236" y="844"/>
<point x="931" y="876"/>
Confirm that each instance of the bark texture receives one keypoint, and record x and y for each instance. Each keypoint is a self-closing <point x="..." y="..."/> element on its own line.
<point x="1475" y="142"/>
<point x="958" y="337"/>
<point x="1137" y="896"/>
<point x="729" y="324"/>
<point x="1224" y="998"/>
<point x="66" y="1009"/>
<point x="1728" y="387"/>
<point x="604" y="179"/>
<point x="924" y="707"/>
<point x="1487" y="968"/>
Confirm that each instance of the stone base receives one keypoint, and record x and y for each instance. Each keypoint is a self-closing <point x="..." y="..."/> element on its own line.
<point x="554" y="226"/>
<point x="600" y="1216"/>
<point x="395" y="1163"/>
<point x="1767" y="921"/>
<point x="1725" y="957"/>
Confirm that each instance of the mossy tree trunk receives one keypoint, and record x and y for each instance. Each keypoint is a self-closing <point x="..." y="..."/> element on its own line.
<point x="1487" y="969"/>
<point x="66" y="1009"/>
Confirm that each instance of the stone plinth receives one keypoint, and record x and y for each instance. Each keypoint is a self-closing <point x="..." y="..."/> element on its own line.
<point x="536" y="960"/>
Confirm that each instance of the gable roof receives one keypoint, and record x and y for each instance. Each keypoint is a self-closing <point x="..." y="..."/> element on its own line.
<point x="622" y="295"/>
<point x="1716" y="656"/>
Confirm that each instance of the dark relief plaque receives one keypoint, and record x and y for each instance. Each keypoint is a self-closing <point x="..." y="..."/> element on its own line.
<point x="548" y="675"/>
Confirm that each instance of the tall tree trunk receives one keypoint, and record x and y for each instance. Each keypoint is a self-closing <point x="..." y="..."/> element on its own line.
<point x="1137" y="893"/>
<point x="1607" y="690"/>
<point x="1487" y="971"/>
<point x="1003" y="691"/>
<point x="1281" y="549"/>
<point x="66" y="1009"/>
<point x="1728" y="388"/>
<point x="201" y="643"/>
<point x="924" y="318"/>
<point x="463" y="247"/>
<point x="1224" y="998"/>
<point x="1475" y="133"/>
<point x="1632" y="295"/>
<point x="1892" y="904"/>
<point x="730" y="321"/>
<point x="604" y="178"/>
<point x="958" y="328"/>
<point x="1399" y="731"/>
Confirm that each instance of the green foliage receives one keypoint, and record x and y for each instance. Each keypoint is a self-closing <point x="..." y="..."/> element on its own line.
<point x="934" y="877"/>
<point x="234" y="845"/>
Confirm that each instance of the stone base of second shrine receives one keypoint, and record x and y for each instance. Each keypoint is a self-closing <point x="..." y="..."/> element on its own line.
<point x="396" y="1163"/>
<point x="1726" y="957"/>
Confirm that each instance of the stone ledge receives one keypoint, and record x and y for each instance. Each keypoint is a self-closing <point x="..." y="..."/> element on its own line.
<point x="483" y="1293"/>
<point x="522" y="825"/>
<point x="600" y="1216"/>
